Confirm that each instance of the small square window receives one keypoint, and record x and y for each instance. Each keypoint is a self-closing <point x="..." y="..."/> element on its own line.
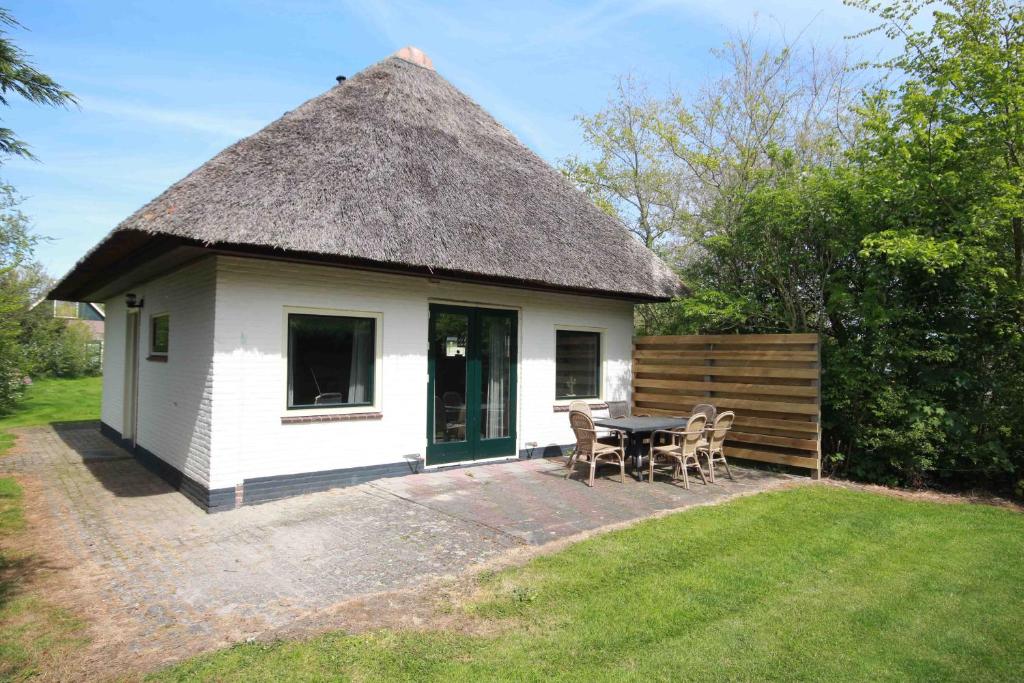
<point x="160" y="335"/>
<point x="331" y="360"/>
<point x="65" y="309"/>
<point x="577" y="364"/>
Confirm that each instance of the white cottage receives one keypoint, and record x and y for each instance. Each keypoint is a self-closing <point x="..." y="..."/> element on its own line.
<point x="381" y="280"/>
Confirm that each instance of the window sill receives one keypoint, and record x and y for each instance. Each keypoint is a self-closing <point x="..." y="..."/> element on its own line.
<point x="594" y="403"/>
<point x="336" y="417"/>
<point x="156" y="358"/>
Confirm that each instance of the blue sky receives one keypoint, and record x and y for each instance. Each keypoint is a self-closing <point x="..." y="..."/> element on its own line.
<point x="166" y="85"/>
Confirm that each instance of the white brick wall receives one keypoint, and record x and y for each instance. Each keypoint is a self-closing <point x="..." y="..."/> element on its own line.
<point x="112" y="410"/>
<point x="174" y="404"/>
<point x="248" y="439"/>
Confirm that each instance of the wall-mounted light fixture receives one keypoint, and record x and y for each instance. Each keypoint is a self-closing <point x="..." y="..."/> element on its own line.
<point x="132" y="302"/>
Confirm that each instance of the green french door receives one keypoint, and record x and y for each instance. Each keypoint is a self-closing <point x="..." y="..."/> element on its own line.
<point x="471" y="411"/>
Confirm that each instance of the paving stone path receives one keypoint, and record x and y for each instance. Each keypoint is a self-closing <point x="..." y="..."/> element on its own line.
<point x="176" y="573"/>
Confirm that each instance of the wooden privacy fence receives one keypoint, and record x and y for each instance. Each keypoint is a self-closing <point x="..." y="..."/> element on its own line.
<point x="771" y="381"/>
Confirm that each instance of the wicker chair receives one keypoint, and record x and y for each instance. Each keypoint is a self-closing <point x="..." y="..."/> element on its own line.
<point x="618" y="409"/>
<point x="609" y="437"/>
<point x="589" y="449"/>
<point x="714" y="448"/>
<point x="581" y="407"/>
<point x="706" y="409"/>
<point x="709" y="411"/>
<point x="681" y="449"/>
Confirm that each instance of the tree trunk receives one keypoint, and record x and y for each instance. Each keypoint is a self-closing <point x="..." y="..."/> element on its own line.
<point x="1018" y="248"/>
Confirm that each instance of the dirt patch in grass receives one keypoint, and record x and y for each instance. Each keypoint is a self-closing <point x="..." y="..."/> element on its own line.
<point x="929" y="495"/>
<point x="59" y="621"/>
<point x="38" y="636"/>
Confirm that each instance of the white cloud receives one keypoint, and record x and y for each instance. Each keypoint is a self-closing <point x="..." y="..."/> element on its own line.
<point x="229" y="127"/>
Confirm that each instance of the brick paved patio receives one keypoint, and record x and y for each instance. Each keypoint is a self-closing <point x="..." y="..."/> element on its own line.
<point x="172" y="571"/>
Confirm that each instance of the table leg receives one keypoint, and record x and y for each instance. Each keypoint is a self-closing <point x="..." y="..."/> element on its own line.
<point x="638" y="446"/>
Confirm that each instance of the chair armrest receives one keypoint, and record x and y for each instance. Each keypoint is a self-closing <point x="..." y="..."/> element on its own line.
<point x="672" y="434"/>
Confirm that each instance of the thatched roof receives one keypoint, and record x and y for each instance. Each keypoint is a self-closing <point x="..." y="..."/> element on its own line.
<point x="395" y="167"/>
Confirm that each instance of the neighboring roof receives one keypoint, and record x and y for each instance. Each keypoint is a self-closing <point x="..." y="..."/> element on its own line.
<point x="395" y="167"/>
<point x="91" y="311"/>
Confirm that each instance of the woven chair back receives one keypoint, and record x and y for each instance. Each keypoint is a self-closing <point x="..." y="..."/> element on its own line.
<point x="580" y="407"/>
<point x="583" y="427"/>
<point x="694" y="433"/>
<point x="706" y="409"/>
<point x="723" y="423"/>
<point x="618" y="409"/>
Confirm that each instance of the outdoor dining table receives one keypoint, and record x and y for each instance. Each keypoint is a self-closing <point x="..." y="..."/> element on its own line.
<point x="636" y="430"/>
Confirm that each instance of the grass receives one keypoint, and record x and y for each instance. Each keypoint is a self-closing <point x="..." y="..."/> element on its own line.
<point x="53" y="400"/>
<point x="813" y="583"/>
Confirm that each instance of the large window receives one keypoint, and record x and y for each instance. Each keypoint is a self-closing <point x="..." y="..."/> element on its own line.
<point x="330" y="360"/>
<point x="160" y="335"/>
<point x="577" y="364"/>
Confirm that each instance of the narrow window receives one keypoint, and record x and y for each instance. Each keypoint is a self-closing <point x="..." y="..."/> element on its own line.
<point x="160" y="335"/>
<point x="330" y="360"/>
<point x="577" y="364"/>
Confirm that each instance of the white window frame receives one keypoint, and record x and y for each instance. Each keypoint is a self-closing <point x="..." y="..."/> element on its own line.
<point x="602" y="362"/>
<point x="378" y="362"/>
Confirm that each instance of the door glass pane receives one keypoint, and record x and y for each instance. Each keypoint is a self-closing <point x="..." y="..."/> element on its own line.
<point x="495" y="375"/>
<point x="448" y="349"/>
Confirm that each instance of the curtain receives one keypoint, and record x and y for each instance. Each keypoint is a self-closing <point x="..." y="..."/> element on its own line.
<point x="362" y="358"/>
<point x="497" y="378"/>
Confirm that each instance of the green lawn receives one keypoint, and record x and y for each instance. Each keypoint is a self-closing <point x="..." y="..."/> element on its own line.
<point x="814" y="583"/>
<point x="53" y="400"/>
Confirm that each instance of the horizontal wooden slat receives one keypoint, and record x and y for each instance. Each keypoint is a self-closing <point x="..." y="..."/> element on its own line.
<point x="764" y="423"/>
<point x="772" y="457"/>
<point x="768" y="440"/>
<point x="670" y="400"/>
<point x="720" y="371"/>
<point x="773" y="389"/>
<point x="730" y="339"/>
<point x="807" y="356"/>
<point x="795" y="426"/>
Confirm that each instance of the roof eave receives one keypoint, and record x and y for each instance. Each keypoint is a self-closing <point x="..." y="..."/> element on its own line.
<point x="123" y="250"/>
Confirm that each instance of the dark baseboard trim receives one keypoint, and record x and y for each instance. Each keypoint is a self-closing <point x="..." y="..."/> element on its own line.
<point x="210" y="500"/>
<point x="265" y="489"/>
<point x="549" y="451"/>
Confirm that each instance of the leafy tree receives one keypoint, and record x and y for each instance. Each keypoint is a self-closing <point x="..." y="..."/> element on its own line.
<point x="16" y="244"/>
<point x="676" y="170"/>
<point x="964" y="95"/>
<point x="55" y="347"/>
<point x="19" y="76"/>
<point x="896" y="235"/>
<point x="18" y="281"/>
<point x="630" y="178"/>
